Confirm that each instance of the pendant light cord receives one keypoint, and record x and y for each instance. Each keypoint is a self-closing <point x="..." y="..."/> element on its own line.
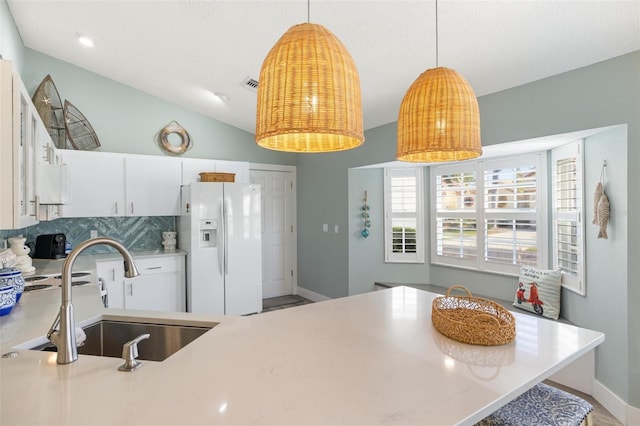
<point x="308" y="11"/>
<point x="436" y="33"/>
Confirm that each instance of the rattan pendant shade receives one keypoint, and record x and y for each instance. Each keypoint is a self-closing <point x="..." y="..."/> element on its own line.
<point x="439" y="119"/>
<point x="309" y="94"/>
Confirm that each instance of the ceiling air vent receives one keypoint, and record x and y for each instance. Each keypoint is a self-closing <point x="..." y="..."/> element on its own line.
<point x="250" y="83"/>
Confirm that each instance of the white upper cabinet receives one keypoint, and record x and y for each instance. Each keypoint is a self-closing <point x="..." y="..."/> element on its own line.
<point x="51" y="177"/>
<point x="108" y="184"/>
<point x="96" y="184"/>
<point x="152" y="186"/>
<point x="20" y="126"/>
<point x="240" y="168"/>
<point x="192" y="167"/>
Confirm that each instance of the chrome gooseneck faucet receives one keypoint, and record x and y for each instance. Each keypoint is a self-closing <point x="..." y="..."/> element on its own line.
<point x="62" y="332"/>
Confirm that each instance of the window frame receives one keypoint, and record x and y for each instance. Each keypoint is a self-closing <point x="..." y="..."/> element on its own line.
<point x="389" y="255"/>
<point x="575" y="283"/>
<point x="479" y="167"/>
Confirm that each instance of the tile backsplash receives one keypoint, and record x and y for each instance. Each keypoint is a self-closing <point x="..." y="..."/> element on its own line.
<point x="136" y="233"/>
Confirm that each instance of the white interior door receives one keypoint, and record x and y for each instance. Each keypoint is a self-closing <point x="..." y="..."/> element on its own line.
<point x="277" y="231"/>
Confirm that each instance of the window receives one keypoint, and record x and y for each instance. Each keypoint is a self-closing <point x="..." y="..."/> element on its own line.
<point x="568" y="224"/>
<point x="403" y="219"/>
<point x="488" y="215"/>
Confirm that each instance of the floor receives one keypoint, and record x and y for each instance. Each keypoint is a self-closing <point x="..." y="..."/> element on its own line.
<point x="600" y="416"/>
<point x="283" y="302"/>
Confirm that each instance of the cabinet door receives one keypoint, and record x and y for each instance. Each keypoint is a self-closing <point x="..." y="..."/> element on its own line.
<point x="240" y="168"/>
<point x="152" y="186"/>
<point x="192" y="167"/>
<point x="156" y="292"/>
<point x="111" y="273"/>
<point x="96" y="184"/>
<point x="27" y="149"/>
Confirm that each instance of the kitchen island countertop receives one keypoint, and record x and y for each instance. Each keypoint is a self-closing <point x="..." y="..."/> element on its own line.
<point x="368" y="359"/>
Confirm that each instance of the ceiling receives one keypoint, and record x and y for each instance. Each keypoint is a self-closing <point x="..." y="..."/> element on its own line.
<point x="183" y="50"/>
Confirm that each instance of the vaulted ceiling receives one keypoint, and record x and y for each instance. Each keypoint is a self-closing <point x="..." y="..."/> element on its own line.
<point x="184" y="50"/>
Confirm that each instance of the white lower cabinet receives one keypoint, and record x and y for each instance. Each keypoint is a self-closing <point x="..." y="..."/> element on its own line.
<point x="111" y="276"/>
<point x="159" y="287"/>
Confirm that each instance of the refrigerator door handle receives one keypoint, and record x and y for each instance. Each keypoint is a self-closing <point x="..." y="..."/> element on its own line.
<point x="226" y="239"/>
<point x="221" y="241"/>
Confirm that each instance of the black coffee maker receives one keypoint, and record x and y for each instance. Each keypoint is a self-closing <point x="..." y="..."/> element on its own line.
<point x="50" y="246"/>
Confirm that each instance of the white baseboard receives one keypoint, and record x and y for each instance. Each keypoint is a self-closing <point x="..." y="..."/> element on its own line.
<point x="633" y="415"/>
<point x="311" y="295"/>
<point x="612" y="402"/>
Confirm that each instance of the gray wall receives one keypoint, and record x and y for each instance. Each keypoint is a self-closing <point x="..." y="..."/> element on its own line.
<point x="600" y="95"/>
<point x="366" y="255"/>
<point x="126" y="119"/>
<point x="606" y="260"/>
<point x="10" y="41"/>
<point x="603" y="94"/>
<point x="323" y="258"/>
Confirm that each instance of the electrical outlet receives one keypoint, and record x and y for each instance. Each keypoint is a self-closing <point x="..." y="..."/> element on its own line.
<point x="93" y="233"/>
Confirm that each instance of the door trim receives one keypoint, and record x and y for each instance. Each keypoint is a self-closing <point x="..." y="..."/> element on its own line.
<point x="294" y="211"/>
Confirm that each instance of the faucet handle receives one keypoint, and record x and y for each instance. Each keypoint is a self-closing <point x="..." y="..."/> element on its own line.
<point x="130" y="353"/>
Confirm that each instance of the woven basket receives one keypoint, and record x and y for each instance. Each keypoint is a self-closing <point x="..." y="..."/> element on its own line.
<point x="472" y="320"/>
<point x="217" y="177"/>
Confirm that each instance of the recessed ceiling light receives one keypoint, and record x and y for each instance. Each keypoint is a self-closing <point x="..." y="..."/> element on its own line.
<point x="85" y="40"/>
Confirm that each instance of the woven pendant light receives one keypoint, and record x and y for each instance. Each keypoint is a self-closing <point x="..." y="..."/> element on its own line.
<point x="309" y="94"/>
<point x="439" y="119"/>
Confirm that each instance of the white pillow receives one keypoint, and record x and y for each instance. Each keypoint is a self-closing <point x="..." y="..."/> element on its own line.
<point x="539" y="291"/>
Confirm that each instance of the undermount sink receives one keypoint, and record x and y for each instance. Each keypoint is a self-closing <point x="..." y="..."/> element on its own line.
<point x="106" y="337"/>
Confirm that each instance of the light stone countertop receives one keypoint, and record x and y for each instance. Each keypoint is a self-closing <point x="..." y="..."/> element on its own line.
<point x="371" y="359"/>
<point x="87" y="262"/>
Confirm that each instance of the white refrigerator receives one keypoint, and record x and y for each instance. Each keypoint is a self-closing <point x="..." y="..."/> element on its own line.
<point x="220" y="229"/>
